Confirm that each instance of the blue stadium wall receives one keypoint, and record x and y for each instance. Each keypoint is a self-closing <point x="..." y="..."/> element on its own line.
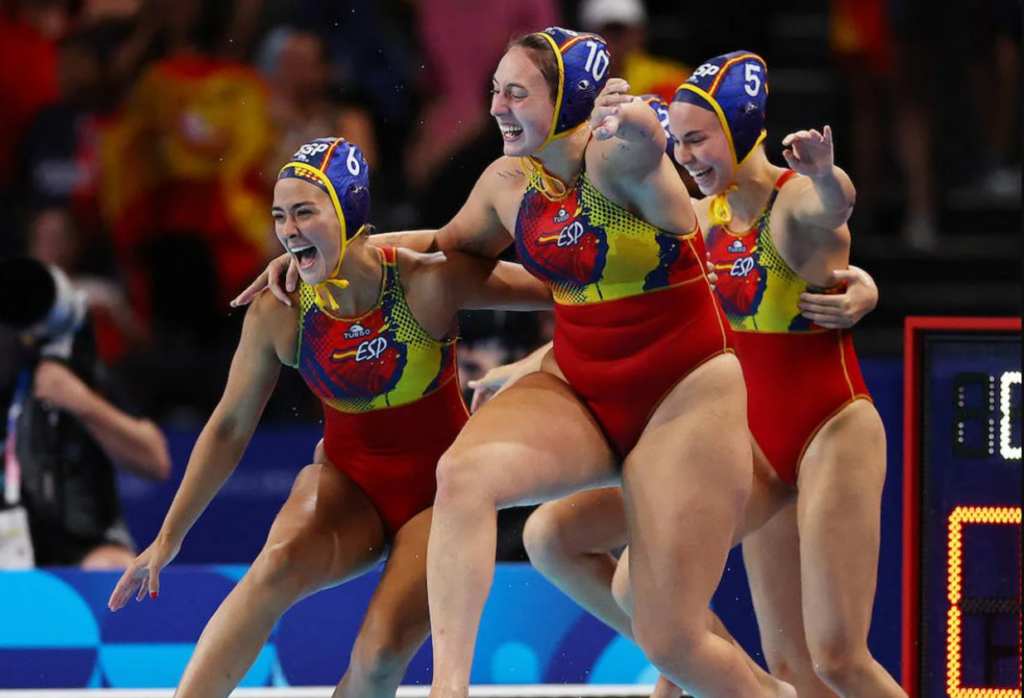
<point x="56" y="631"/>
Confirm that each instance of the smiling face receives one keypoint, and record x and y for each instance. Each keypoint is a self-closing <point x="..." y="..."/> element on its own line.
<point x="307" y="226"/>
<point x="702" y="147"/>
<point x="522" y="103"/>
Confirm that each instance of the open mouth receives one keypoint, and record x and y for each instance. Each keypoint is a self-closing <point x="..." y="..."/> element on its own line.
<point x="305" y="256"/>
<point x="511" y="134"/>
<point x="702" y="175"/>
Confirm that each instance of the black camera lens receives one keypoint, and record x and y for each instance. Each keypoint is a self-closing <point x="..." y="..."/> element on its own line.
<point x="27" y="292"/>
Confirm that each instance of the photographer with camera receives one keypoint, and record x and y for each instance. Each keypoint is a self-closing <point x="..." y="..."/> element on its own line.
<point x="61" y="440"/>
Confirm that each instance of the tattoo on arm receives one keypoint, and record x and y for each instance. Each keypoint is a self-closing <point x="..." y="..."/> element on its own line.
<point x="510" y="174"/>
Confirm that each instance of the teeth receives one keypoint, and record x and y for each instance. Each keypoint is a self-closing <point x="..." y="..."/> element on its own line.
<point x="299" y="250"/>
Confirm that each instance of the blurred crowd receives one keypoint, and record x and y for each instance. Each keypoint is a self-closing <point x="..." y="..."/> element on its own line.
<point x="140" y="139"/>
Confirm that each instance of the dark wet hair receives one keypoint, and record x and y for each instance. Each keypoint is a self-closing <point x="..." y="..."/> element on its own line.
<point x="543" y="57"/>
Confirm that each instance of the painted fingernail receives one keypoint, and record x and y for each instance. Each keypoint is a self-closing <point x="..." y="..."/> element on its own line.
<point x="153" y="595"/>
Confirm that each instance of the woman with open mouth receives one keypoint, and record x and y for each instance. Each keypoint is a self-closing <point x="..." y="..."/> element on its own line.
<point x="372" y="330"/>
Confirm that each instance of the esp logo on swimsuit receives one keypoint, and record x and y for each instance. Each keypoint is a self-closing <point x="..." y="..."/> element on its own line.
<point x="371" y="349"/>
<point x="571" y="235"/>
<point x="742" y="267"/>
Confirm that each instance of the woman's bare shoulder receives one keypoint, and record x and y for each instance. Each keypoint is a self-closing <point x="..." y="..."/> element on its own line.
<point x="276" y="323"/>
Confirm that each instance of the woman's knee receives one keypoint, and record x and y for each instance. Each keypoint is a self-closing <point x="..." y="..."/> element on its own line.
<point x="385" y="647"/>
<point x="840" y="662"/>
<point x="790" y="664"/>
<point x="671" y="643"/>
<point x="548" y="537"/>
<point x="289" y="566"/>
<point x="461" y="480"/>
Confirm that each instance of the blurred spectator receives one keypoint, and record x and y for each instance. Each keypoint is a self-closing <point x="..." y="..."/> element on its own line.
<point x="475" y="360"/>
<point x="59" y="154"/>
<point x="48" y="18"/>
<point x="462" y="44"/>
<point x="53" y="240"/>
<point x="371" y="62"/>
<point x="62" y="438"/>
<point x="623" y="24"/>
<point x="301" y="103"/>
<point x="56" y="241"/>
<point x="367" y="45"/>
<point x="862" y="42"/>
<point x="916" y="25"/>
<point x="28" y="81"/>
<point x="883" y="51"/>
<point x="185" y="197"/>
<point x="182" y="169"/>
<point x="994" y="35"/>
<point x="94" y="11"/>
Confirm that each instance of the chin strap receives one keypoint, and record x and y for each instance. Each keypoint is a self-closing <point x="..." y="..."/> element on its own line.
<point x="719" y="211"/>
<point x="552" y="188"/>
<point x="322" y="291"/>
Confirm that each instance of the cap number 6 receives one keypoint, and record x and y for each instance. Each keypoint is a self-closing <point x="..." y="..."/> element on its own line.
<point x="352" y="162"/>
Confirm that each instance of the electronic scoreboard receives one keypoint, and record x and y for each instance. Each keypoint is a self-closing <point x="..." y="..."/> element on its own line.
<point x="962" y="527"/>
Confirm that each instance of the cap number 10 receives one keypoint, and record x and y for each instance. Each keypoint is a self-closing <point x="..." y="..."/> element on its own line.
<point x="597" y="61"/>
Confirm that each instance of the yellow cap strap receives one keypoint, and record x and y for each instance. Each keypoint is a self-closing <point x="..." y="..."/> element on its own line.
<point x="719" y="211"/>
<point x="553" y="188"/>
<point x="322" y="292"/>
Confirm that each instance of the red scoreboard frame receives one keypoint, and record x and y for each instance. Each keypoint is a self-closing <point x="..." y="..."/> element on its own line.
<point x="916" y="328"/>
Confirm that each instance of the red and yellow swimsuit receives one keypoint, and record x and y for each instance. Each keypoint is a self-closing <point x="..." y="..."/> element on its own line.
<point x="634" y="311"/>
<point x="798" y="375"/>
<point x="392" y="401"/>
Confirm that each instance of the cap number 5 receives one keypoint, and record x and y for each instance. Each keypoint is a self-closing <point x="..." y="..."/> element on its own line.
<point x="753" y="80"/>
